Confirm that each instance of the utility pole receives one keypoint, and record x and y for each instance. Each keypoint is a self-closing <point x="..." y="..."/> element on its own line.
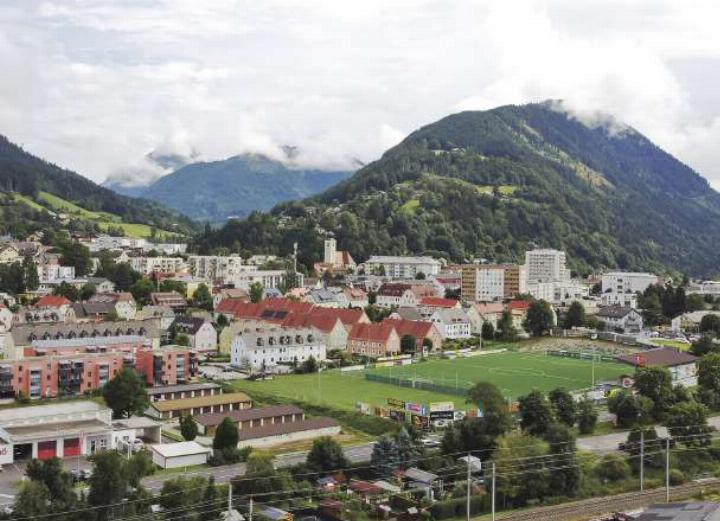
<point x="295" y="257"/>
<point x="667" y="469"/>
<point x="250" y="510"/>
<point x="468" y="488"/>
<point x="642" y="460"/>
<point x="493" y="492"/>
<point x="229" y="511"/>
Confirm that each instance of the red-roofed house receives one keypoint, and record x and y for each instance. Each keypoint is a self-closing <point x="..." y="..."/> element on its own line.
<point x="418" y="330"/>
<point x="336" y="335"/>
<point x="518" y="310"/>
<point x="349" y="317"/>
<point x="374" y="340"/>
<point x="50" y="308"/>
<point x="399" y="294"/>
<point x="484" y="312"/>
<point x="438" y="302"/>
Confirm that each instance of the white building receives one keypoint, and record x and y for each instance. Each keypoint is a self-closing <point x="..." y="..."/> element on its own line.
<point x="148" y="265"/>
<point x="267" y="278"/>
<point x="51" y="272"/>
<point x="265" y="348"/>
<point x="489" y="283"/>
<point x="166" y="248"/>
<point x="616" y="318"/>
<point x="213" y="267"/>
<point x="330" y="252"/>
<point x="545" y="265"/>
<point x="706" y="287"/>
<point x="402" y="267"/>
<point x="180" y="454"/>
<point x="626" y="300"/>
<point x="627" y="282"/>
<point x="452" y="323"/>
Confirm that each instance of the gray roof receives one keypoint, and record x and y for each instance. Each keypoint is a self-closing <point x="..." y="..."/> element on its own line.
<point x="409" y="313"/>
<point x="26" y="334"/>
<point x="615" y="312"/>
<point x="188" y="325"/>
<point x="86" y="309"/>
<point x="286" y="428"/>
<point x="420" y="476"/>
<point x="452" y="316"/>
<point x="242" y="415"/>
<point x="682" y="512"/>
<point x="181" y="388"/>
<point x="97" y="340"/>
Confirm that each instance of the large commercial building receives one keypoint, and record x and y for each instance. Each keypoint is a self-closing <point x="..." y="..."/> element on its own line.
<point x="166" y="265"/>
<point x="492" y="282"/>
<point x="627" y="282"/>
<point x="546" y="266"/>
<point x="66" y="429"/>
<point x="402" y="267"/>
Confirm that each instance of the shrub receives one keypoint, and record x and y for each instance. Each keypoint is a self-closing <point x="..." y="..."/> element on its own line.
<point x="613" y="467"/>
<point x="677" y="477"/>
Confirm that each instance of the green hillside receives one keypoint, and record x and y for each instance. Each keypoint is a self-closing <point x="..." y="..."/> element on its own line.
<point x="492" y="184"/>
<point x="33" y="189"/>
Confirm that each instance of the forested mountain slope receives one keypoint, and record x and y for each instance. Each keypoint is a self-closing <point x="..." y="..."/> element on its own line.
<point x="491" y="184"/>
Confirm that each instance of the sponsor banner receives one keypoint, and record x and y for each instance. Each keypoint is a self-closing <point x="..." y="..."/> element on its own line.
<point x="381" y="412"/>
<point x="416" y="408"/>
<point x="442" y="415"/>
<point x="6" y="454"/>
<point x="398" y="404"/>
<point x="442" y="406"/>
<point x="363" y="408"/>
<point x="397" y="416"/>
<point x="421" y="422"/>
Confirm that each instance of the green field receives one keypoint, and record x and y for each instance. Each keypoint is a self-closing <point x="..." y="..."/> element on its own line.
<point x="515" y="373"/>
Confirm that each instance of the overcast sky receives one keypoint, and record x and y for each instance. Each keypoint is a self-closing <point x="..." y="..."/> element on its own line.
<point x="95" y="85"/>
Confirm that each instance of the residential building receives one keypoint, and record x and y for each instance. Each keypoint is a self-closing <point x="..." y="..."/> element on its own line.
<point x="629" y="282"/>
<point x="423" y="332"/>
<point x="170" y="299"/>
<point x="7" y="318"/>
<point x="48" y="309"/>
<point x="168" y="365"/>
<point x="220" y="294"/>
<point x="123" y="303"/>
<point x="488" y="312"/>
<point x="518" y="310"/>
<point x="266" y="348"/>
<point x="402" y="267"/>
<point x="427" y="305"/>
<point x="164" y="265"/>
<point x="214" y="267"/>
<point x="327" y="298"/>
<point x="23" y="336"/>
<point x="164" y="314"/>
<point x="627" y="300"/>
<point x="706" y="287"/>
<point x="268" y="279"/>
<point x="546" y="265"/>
<point x="374" y="340"/>
<point x="492" y="282"/>
<point x="51" y="271"/>
<point x="682" y="366"/>
<point x="356" y="297"/>
<point x="690" y="322"/>
<point x="452" y="323"/>
<point x="201" y="334"/>
<point x="621" y="319"/>
<point x="93" y="311"/>
<point x="400" y="294"/>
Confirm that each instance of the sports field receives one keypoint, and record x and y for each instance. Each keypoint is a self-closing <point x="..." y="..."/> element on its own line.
<point x="515" y="373"/>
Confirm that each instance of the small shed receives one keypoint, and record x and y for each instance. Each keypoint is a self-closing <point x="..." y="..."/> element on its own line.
<point x="180" y="454"/>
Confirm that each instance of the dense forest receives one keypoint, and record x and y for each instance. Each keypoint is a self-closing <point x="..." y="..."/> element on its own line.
<point x="492" y="184"/>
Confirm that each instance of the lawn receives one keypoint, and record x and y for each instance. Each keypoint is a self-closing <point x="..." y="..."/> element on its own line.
<point x="506" y="190"/>
<point x="515" y="373"/>
<point x="410" y="207"/>
<point x="675" y="344"/>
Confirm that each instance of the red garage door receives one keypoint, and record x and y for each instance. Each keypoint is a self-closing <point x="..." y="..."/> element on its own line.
<point x="46" y="450"/>
<point x="71" y="447"/>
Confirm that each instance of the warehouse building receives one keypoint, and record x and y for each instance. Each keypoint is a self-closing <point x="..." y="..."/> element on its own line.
<point x="251" y="418"/>
<point x="279" y="433"/>
<point x="167" y="409"/>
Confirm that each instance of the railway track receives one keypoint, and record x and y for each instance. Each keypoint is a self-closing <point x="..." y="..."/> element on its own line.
<point x="594" y="507"/>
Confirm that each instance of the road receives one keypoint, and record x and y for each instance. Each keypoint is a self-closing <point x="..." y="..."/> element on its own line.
<point x="609" y="442"/>
<point x="354" y="454"/>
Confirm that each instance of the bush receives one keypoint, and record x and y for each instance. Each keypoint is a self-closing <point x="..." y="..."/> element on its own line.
<point x="613" y="467"/>
<point x="229" y="456"/>
<point x="677" y="477"/>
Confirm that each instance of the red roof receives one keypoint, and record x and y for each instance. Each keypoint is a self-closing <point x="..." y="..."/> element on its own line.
<point x="518" y="304"/>
<point x="438" y="302"/>
<point x="415" y="328"/>
<point x="371" y="332"/>
<point x="393" y="289"/>
<point x="489" y="307"/>
<point x="324" y="323"/>
<point x="663" y="357"/>
<point x="348" y="317"/>
<point x="363" y="487"/>
<point x="52" y="301"/>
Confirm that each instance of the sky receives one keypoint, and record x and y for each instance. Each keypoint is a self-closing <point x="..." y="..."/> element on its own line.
<point x="98" y="85"/>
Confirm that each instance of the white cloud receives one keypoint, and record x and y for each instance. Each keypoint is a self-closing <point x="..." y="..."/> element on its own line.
<point x="95" y="85"/>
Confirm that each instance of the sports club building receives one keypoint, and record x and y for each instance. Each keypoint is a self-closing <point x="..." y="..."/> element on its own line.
<point x="65" y="430"/>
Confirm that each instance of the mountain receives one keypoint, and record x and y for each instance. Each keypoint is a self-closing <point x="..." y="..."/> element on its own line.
<point x="491" y="184"/>
<point x="234" y="187"/>
<point x="34" y="192"/>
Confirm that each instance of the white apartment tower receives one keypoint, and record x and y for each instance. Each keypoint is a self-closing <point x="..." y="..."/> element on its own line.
<point x="546" y="265"/>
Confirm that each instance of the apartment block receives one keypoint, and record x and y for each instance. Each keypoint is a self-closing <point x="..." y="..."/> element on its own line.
<point x="491" y="282"/>
<point x="546" y="265"/>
